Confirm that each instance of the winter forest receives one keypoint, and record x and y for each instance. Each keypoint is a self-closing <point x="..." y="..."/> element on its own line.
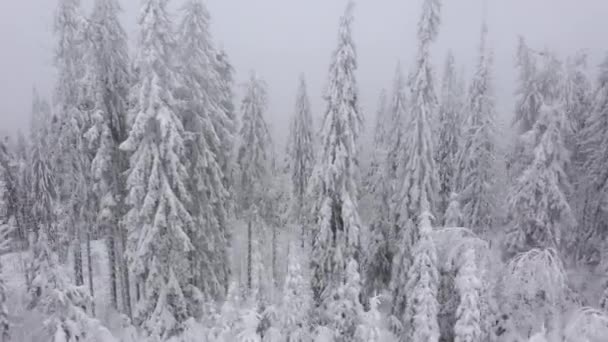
<point x="148" y="202"/>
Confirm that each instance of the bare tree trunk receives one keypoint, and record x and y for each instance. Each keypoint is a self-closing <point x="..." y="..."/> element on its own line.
<point x="275" y="270"/>
<point x="78" y="274"/>
<point x="90" y="271"/>
<point x="124" y="270"/>
<point x="111" y="245"/>
<point x="249" y="250"/>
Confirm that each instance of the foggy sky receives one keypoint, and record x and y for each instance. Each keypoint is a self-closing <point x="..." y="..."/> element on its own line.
<point x="280" y="39"/>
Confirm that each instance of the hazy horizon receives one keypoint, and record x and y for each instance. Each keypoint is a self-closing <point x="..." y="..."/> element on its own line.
<point x="280" y="39"/>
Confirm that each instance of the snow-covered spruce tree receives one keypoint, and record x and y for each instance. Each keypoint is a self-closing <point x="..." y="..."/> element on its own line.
<point x="254" y="161"/>
<point x="416" y="191"/>
<point x="158" y="219"/>
<point x="200" y="87"/>
<point x="420" y="315"/>
<point x="446" y="155"/>
<point x="300" y="153"/>
<point x="397" y="118"/>
<point x="468" y="314"/>
<point x="108" y="83"/>
<point x="527" y="107"/>
<point x="225" y="122"/>
<point x="594" y="136"/>
<point x="477" y="156"/>
<point x="538" y="206"/>
<point x="72" y="160"/>
<point x="378" y="263"/>
<point x="335" y="217"/>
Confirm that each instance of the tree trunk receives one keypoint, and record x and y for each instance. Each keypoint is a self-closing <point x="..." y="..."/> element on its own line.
<point x="78" y="274"/>
<point x="124" y="270"/>
<point x="111" y="245"/>
<point x="249" y="250"/>
<point x="275" y="270"/>
<point x="90" y="271"/>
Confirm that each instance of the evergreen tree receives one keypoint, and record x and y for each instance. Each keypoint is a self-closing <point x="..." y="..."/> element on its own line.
<point x="450" y="114"/>
<point x="201" y="84"/>
<point x="378" y="187"/>
<point x="108" y="82"/>
<point x="225" y="122"/>
<point x="537" y="204"/>
<point x="468" y="324"/>
<point x="158" y="199"/>
<point x="477" y="159"/>
<point x="398" y="117"/>
<point x="300" y="152"/>
<point x="594" y="136"/>
<point x="336" y="220"/>
<point x="254" y="162"/>
<point x="72" y="160"/>
<point x="417" y="189"/>
<point x="527" y="107"/>
<point x="421" y="311"/>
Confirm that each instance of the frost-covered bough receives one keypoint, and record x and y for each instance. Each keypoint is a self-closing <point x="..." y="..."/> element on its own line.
<point x="158" y="219"/>
<point x="300" y="155"/>
<point x="254" y="159"/>
<point x="200" y="105"/>
<point x="532" y="290"/>
<point x="450" y="116"/>
<point x="586" y="325"/>
<point x="417" y="186"/>
<point x="336" y="223"/>
<point x="106" y="88"/>
<point x="477" y="157"/>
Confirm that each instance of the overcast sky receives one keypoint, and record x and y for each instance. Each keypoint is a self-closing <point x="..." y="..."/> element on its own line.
<point x="282" y="38"/>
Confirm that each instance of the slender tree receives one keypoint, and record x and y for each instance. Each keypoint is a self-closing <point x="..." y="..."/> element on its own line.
<point x="450" y="116"/>
<point x="378" y="187"/>
<point x="300" y="153"/>
<point x="254" y="160"/>
<point x="159" y="196"/>
<point x="478" y="155"/>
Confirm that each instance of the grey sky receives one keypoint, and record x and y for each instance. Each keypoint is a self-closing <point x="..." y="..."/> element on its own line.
<point x="281" y="38"/>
